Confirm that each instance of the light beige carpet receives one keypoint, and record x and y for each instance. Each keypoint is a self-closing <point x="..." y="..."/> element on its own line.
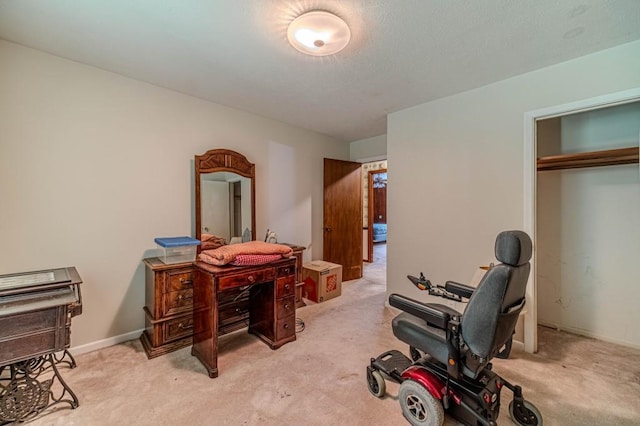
<point x="320" y="378"/>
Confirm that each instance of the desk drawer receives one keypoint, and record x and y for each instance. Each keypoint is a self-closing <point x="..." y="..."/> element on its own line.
<point x="179" y="280"/>
<point x="285" y="286"/>
<point x="246" y="278"/>
<point x="30" y="334"/>
<point x="284" y="271"/>
<point x="27" y="323"/>
<point x="233" y="312"/>
<point x="28" y="346"/>
<point x="285" y="307"/>
<point x="177" y="328"/>
<point x="286" y="327"/>
<point x="178" y="301"/>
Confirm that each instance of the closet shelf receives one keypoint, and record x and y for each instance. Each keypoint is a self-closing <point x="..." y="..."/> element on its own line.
<point x="608" y="157"/>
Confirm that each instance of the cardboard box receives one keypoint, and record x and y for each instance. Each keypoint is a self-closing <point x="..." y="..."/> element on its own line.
<point x="322" y="280"/>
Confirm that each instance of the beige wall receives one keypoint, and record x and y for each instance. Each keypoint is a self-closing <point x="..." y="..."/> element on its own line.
<point x="94" y="165"/>
<point x="456" y="165"/>
<point x="370" y="149"/>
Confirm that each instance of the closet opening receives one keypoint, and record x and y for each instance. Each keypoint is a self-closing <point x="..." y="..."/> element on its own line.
<point x="585" y="205"/>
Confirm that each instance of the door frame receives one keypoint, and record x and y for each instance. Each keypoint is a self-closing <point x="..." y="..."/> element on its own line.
<point x="370" y="212"/>
<point x="530" y="189"/>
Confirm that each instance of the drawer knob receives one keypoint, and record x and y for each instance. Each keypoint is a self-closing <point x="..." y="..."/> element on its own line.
<point x="286" y="326"/>
<point x="286" y="270"/>
<point x="182" y="297"/>
<point x="287" y="286"/>
<point x="183" y="281"/>
<point x="251" y="279"/>
<point x="286" y="306"/>
<point x="185" y="327"/>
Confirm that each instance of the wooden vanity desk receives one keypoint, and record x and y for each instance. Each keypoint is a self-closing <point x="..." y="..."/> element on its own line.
<point x="228" y="298"/>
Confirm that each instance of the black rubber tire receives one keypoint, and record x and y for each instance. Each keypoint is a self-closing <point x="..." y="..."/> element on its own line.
<point x="419" y="407"/>
<point x="529" y="415"/>
<point x="376" y="384"/>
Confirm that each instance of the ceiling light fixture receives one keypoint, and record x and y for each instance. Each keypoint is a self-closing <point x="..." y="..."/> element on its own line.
<point x="318" y="33"/>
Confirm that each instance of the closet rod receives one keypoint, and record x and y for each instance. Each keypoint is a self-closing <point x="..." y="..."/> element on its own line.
<point x="607" y="157"/>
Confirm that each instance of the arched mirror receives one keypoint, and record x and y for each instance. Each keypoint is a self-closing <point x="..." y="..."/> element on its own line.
<point x="225" y="195"/>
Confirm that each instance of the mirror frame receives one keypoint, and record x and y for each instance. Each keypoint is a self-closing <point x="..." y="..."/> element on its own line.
<point x="224" y="160"/>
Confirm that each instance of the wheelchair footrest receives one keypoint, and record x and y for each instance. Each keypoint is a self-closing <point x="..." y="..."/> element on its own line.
<point x="392" y="363"/>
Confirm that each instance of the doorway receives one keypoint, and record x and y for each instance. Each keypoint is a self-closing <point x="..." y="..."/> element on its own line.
<point x="377" y="214"/>
<point x="538" y="126"/>
<point x="374" y="203"/>
<point x="342" y="216"/>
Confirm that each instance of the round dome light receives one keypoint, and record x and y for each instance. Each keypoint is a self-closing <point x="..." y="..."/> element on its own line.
<point x="318" y="33"/>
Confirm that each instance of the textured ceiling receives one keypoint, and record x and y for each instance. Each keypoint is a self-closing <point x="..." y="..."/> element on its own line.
<point x="402" y="53"/>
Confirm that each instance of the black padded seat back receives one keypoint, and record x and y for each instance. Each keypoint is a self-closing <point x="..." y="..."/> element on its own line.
<point x="491" y="314"/>
<point x="513" y="248"/>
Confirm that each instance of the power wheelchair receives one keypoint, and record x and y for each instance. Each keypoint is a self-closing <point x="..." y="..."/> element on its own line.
<point x="450" y="368"/>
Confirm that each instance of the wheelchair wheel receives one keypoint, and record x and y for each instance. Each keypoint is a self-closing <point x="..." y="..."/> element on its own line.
<point x="525" y="414"/>
<point x="376" y="383"/>
<point x="419" y="407"/>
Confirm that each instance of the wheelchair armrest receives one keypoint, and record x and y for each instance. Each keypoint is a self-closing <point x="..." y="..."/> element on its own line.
<point x="434" y="314"/>
<point x="461" y="290"/>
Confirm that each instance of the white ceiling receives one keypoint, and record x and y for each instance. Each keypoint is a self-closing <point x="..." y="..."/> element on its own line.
<point x="402" y="53"/>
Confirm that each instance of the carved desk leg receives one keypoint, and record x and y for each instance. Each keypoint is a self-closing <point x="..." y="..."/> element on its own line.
<point x="24" y="394"/>
<point x="71" y="362"/>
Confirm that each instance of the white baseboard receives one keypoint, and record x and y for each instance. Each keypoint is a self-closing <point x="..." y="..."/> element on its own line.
<point x="387" y="305"/>
<point x="518" y="345"/>
<point x="586" y="333"/>
<point x="105" y="343"/>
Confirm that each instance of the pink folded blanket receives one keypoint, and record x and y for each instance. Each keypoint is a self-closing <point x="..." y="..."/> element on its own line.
<point x="254" y="259"/>
<point x="227" y="254"/>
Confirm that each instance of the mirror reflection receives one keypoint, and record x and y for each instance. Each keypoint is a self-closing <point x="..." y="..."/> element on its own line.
<point x="226" y="205"/>
<point x="225" y="196"/>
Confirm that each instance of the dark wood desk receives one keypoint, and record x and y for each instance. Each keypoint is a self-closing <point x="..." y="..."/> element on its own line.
<point x="168" y="310"/>
<point x="229" y="298"/>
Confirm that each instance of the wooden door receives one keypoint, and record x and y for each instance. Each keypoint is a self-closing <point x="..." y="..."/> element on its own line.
<point x="342" y="241"/>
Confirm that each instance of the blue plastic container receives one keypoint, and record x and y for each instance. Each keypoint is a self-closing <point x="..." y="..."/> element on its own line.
<point x="177" y="249"/>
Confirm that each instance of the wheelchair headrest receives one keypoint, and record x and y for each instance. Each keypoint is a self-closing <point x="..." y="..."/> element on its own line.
<point x="513" y="248"/>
